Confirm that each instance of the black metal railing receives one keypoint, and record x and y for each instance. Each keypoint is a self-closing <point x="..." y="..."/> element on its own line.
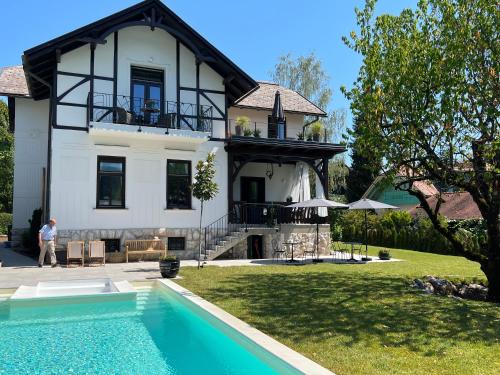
<point x="128" y="110"/>
<point x="272" y="214"/>
<point x="261" y="129"/>
<point x="243" y="216"/>
<point x="215" y="232"/>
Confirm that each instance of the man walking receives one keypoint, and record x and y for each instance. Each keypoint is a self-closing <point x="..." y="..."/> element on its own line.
<point x="47" y="242"/>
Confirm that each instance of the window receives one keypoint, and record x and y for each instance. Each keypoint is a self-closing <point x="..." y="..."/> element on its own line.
<point x="176" y="243"/>
<point x="179" y="184"/>
<point x="110" y="182"/>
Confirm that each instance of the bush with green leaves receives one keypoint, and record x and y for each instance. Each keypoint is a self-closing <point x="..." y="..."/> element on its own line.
<point x="5" y="221"/>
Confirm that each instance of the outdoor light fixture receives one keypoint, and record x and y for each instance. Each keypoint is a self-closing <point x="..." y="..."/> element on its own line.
<point x="270" y="170"/>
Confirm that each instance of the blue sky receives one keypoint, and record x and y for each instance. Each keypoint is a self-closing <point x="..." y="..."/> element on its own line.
<point x="251" y="33"/>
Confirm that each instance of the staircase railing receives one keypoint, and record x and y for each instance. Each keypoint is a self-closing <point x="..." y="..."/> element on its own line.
<point x="215" y="232"/>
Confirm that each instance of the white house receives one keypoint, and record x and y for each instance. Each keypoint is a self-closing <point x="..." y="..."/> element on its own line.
<point x="110" y="120"/>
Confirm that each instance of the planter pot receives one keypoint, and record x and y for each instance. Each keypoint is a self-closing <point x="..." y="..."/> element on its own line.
<point x="384" y="257"/>
<point x="169" y="268"/>
<point x="239" y="130"/>
<point x="315" y="137"/>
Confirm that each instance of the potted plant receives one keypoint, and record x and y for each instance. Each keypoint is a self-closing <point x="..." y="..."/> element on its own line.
<point x="300" y="136"/>
<point x="256" y="133"/>
<point x="169" y="266"/>
<point x="316" y="129"/>
<point x="242" y="123"/>
<point x="247" y="132"/>
<point x="384" y="254"/>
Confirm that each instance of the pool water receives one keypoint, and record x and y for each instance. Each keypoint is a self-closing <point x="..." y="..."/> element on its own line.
<point x="159" y="333"/>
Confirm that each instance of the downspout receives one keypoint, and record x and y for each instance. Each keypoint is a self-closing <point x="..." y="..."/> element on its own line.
<point x="49" y="144"/>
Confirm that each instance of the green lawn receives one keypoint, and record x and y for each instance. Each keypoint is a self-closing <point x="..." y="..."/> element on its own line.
<point x="363" y="319"/>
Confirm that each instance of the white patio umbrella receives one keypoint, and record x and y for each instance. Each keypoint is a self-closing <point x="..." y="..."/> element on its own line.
<point x="368" y="204"/>
<point x="318" y="202"/>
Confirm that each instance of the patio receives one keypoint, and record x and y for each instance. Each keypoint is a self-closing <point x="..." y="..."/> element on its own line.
<point x="19" y="270"/>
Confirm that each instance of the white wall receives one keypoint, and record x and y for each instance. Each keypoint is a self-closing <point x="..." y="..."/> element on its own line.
<point x="137" y="46"/>
<point x="74" y="183"/>
<point x="294" y="122"/>
<point x="278" y="189"/>
<point x="30" y="157"/>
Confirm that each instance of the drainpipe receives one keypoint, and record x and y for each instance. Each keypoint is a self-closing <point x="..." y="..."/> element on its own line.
<point x="49" y="145"/>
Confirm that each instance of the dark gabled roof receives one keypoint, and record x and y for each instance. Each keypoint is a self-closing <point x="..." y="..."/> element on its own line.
<point x="454" y="206"/>
<point x="262" y="97"/>
<point x="41" y="60"/>
<point x="13" y="81"/>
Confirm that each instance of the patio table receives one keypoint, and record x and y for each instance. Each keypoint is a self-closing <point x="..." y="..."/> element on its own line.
<point x="291" y="243"/>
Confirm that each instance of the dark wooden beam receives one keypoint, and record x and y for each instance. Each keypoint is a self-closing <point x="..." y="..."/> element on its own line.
<point x="178" y="80"/>
<point x="115" y="73"/>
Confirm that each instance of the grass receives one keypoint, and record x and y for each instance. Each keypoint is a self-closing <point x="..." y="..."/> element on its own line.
<point x="363" y="319"/>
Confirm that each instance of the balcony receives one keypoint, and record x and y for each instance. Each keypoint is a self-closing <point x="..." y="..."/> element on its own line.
<point x="148" y="117"/>
<point x="278" y="132"/>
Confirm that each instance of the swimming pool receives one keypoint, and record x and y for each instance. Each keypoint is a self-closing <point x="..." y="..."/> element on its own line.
<point x="161" y="332"/>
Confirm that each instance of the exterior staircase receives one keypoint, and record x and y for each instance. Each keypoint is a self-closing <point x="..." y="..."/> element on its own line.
<point x="223" y="244"/>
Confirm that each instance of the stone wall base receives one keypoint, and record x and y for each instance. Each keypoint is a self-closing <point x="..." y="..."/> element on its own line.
<point x="305" y="234"/>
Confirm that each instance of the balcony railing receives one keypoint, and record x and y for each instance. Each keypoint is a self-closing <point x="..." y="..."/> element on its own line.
<point x="272" y="214"/>
<point x="149" y="112"/>
<point x="260" y="130"/>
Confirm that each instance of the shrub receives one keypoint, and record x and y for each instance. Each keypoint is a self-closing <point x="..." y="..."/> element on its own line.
<point x="168" y="258"/>
<point x="384" y="254"/>
<point x="5" y="221"/>
<point x="30" y="237"/>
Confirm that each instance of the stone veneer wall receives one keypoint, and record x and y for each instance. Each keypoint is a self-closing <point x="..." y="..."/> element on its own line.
<point x="303" y="233"/>
<point x="190" y="234"/>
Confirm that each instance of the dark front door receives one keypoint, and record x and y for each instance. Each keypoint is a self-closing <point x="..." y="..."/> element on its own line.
<point x="253" y="195"/>
<point x="146" y="100"/>
<point x="254" y="247"/>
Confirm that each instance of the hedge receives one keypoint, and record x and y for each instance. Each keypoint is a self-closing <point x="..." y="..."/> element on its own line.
<point x="397" y="229"/>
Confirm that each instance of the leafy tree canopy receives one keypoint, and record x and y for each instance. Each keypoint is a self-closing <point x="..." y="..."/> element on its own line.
<point x="429" y="92"/>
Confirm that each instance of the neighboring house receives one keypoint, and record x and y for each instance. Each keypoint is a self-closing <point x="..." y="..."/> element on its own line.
<point x="110" y="120"/>
<point x="383" y="191"/>
<point x="454" y="206"/>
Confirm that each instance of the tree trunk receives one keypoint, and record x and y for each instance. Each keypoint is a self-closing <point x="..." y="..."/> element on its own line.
<point x="491" y="267"/>
<point x="199" y="241"/>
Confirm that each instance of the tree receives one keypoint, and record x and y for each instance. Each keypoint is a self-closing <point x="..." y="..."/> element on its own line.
<point x="429" y="92"/>
<point x="6" y="160"/>
<point x="204" y="188"/>
<point x="364" y="167"/>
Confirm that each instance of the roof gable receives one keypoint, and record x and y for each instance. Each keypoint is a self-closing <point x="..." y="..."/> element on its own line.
<point x="40" y="61"/>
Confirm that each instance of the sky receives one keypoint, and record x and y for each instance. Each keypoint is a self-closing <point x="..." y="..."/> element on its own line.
<point x="253" y="34"/>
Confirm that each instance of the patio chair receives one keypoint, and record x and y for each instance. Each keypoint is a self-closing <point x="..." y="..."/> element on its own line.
<point x="97" y="250"/>
<point x="311" y="252"/>
<point x="75" y="251"/>
<point x="358" y="249"/>
<point x="123" y="116"/>
<point x="337" y="250"/>
<point x="278" y="251"/>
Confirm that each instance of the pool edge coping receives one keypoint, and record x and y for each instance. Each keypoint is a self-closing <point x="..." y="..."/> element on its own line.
<point x="286" y="354"/>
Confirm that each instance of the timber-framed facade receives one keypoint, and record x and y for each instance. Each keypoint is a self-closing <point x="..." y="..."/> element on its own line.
<point x="143" y="88"/>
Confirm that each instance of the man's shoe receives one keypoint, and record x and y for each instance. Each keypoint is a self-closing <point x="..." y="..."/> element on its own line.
<point x="39" y="265"/>
<point x="54" y="265"/>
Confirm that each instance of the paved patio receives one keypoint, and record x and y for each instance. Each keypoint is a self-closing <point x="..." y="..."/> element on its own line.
<point x="19" y="270"/>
